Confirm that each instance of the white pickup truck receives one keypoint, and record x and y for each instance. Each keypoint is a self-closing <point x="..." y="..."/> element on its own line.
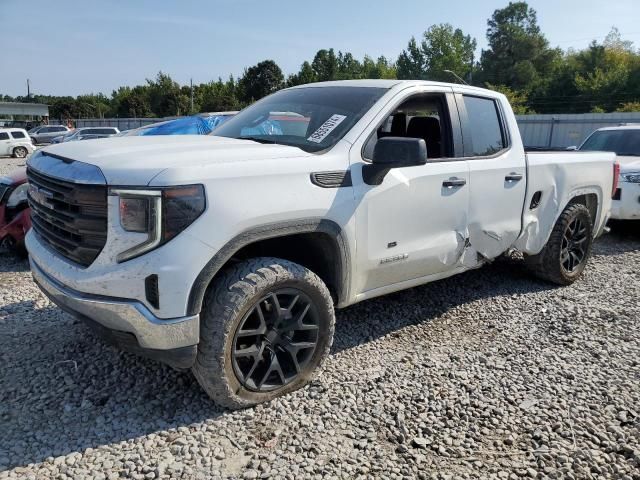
<point x="228" y="253"/>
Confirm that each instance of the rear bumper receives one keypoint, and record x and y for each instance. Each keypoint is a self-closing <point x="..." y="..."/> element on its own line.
<point x="122" y="315"/>
<point x="628" y="207"/>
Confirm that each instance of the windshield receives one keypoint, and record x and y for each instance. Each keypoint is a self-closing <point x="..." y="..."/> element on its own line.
<point x="622" y="142"/>
<point x="311" y="118"/>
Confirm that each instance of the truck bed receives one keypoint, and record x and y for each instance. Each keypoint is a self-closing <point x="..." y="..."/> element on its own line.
<point x="553" y="179"/>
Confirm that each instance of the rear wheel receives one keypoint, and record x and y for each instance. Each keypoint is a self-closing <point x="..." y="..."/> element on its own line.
<point x="20" y="152"/>
<point x="564" y="257"/>
<point x="266" y="325"/>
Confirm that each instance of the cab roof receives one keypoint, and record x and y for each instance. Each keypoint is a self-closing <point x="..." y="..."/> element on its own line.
<point x="377" y="83"/>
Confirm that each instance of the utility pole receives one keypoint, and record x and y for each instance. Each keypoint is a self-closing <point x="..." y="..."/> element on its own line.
<point x="28" y="90"/>
<point x="191" y="109"/>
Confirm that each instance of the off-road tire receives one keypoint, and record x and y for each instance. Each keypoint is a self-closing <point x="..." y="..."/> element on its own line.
<point x="229" y="299"/>
<point x="547" y="264"/>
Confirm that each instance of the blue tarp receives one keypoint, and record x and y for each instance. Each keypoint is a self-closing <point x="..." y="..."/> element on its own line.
<point x="195" y="125"/>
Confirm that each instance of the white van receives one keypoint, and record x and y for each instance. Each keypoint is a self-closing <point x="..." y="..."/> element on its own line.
<point x="15" y="142"/>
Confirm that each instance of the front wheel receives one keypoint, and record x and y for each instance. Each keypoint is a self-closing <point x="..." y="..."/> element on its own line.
<point x="564" y="257"/>
<point x="20" y="152"/>
<point x="266" y="325"/>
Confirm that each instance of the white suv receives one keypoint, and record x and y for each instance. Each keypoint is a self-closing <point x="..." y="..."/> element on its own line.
<point x="625" y="142"/>
<point x="15" y="142"/>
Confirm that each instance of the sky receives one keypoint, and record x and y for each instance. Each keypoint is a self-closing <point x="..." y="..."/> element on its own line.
<point x="73" y="47"/>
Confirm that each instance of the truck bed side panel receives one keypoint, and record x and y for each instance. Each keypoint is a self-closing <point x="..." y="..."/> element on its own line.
<point x="559" y="177"/>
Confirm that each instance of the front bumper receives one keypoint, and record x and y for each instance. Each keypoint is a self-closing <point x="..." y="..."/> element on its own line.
<point x="628" y="207"/>
<point x="122" y="315"/>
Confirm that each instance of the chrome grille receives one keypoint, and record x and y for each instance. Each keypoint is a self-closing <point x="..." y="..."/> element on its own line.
<point x="69" y="217"/>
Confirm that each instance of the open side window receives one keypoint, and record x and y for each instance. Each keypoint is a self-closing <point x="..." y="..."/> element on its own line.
<point x="423" y="116"/>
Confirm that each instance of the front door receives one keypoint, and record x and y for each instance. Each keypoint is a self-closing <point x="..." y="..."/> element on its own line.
<point x="414" y="224"/>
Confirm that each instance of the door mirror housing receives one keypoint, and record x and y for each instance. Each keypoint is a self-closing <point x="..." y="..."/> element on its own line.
<point x="394" y="152"/>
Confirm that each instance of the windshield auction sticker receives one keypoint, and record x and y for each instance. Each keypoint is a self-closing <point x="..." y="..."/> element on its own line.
<point x="327" y="127"/>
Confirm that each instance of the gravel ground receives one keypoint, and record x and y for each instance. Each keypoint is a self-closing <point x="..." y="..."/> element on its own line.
<point x="486" y="375"/>
<point x="8" y="164"/>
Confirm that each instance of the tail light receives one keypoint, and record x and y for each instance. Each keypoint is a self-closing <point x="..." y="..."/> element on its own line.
<point x="616" y="177"/>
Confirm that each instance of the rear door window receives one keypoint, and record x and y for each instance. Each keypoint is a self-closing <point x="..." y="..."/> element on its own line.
<point x="484" y="127"/>
<point x="4" y="136"/>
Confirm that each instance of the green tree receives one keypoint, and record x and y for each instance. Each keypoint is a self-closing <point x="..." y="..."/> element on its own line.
<point x="220" y="96"/>
<point x="165" y="97"/>
<point x="629" y="107"/>
<point x="380" y="68"/>
<point x="325" y="65"/>
<point x="517" y="99"/>
<point x="412" y="64"/>
<point x="519" y="55"/>
<point x="605" y="72"/>
<point x="304" y="76"/>
<point x="348" y="68"/>
<point x="442" y="48"/>
<point x="261" y="80"/>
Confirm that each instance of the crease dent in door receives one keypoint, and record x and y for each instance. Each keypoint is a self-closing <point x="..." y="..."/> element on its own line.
<point x="464" y="254"/>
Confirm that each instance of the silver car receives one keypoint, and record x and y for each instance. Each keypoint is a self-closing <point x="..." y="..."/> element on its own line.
<point x="85" y="133"/>
<point x="47" y="133"/>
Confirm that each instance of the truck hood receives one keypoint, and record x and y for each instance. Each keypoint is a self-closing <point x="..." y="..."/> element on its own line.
<point x="137" y="160"/>
<point x="629" y="164"/>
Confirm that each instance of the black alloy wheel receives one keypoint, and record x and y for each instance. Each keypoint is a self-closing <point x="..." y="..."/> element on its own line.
<point x="275" y="340"/>
<point x="574" y="245"/>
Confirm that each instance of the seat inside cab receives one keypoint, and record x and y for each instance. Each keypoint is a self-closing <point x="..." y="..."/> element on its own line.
<point x="418" y="117"/>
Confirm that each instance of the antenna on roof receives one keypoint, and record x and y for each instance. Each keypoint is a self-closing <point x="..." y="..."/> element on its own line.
<point x="456" y="75"/>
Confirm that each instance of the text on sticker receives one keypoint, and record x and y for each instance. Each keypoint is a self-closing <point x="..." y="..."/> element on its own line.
<point x="327" y="127"/>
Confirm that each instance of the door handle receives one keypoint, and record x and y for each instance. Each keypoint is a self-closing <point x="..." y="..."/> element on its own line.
<point x="513" y="177"/>
<point x="454" y="182"/>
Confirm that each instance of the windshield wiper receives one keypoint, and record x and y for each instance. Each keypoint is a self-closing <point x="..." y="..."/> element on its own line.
<point x="259" y="140"/>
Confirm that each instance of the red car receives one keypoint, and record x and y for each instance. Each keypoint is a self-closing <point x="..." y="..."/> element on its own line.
<point x="15" y="214"/>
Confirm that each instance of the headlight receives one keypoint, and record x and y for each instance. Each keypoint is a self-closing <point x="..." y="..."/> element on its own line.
<point x="18" y="196"/>
<point x="160" y="214"/>
<point x="631" y="177"/>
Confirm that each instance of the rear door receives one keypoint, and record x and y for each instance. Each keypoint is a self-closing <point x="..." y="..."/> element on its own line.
<point x="497" y="171"/>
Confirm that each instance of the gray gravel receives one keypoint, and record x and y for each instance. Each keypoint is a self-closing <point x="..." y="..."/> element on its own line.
<point x="8" y="164"/>
<point x="486" y="375"/>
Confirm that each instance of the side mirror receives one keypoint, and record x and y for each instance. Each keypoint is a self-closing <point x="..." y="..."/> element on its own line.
<point x="573" y="148"/>
<point x="394" y="152"/>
